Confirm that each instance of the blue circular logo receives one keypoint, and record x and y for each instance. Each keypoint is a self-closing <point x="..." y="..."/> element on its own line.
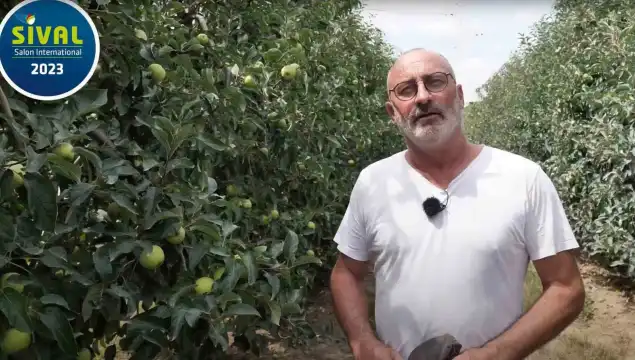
<point x="49" y="49"/>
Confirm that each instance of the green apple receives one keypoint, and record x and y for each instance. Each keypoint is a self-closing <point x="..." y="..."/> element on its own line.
<point x="157" y="71"/>
<point x="65" y="150"/>
<point x="232" y="190"/>
<point x="310" y="253"/>
<point x="15" y="340"/>
<point x="249" y="81"/>
<point x="154" y="259"/>
<point x="351" y="162"/>
<point x="6" y="282"/>
<point x="265" y="219"/>
<point x="84" y="354"/>
<point x="202" y="38"/>
<point x="311" y="225"/>
<point x="178" y="237"/>
<point x="264" y="150"/>
<point x="290" y="71"/>
<point x="204" y="285"/>
<point x="275" y="214"/>
<point x="246" y="204"/>
<point x="18" y="174"/>
<point x="281" y="124"/>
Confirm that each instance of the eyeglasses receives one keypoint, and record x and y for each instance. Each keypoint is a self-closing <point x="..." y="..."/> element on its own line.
<point x="434" y="83"/>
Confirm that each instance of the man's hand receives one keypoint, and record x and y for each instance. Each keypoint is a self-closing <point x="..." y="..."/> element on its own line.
<point x="374" y="350"/>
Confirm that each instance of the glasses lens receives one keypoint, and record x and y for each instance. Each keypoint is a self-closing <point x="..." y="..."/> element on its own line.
<point x="406" y="90"/>
<point x="436" y="82"/>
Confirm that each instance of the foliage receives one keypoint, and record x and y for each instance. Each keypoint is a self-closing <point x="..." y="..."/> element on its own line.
<point x="566" y="100"/>
<point x="218" y="161"/>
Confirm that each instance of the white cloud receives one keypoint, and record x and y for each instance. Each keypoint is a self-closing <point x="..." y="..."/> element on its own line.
<point x="477" y="37"/>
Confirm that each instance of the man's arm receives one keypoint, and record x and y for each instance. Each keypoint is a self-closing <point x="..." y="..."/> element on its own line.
<point x="550" y="243"/>
<point x="560" y="304"/>
<point x="350" y="302"/>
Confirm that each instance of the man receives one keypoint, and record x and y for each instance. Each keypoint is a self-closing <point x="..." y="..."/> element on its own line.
<point x="461" y="271"/>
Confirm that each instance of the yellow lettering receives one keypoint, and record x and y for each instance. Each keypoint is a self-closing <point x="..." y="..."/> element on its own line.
<point x="60" y="34"/>
<point x="30" y="35"/>
<point x="76" y="40"/>
<point x="19" y="38"/>
<point x="43" y="37"/>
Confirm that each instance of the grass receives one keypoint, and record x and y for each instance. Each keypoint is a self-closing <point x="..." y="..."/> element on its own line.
<point x="577" y="341"/>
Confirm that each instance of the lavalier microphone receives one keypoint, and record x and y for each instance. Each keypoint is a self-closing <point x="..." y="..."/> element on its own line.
<point x="432" y="206"/>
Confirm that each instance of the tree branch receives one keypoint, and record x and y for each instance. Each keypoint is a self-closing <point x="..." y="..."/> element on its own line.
<point x="6" y="109"/>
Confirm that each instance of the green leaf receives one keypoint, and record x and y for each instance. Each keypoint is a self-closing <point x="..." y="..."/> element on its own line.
<point x="7" y="228"/>
<point x="228" y="297"/>
<point x="120" y="292"/>
<point x="276" y="312"/>
<point x="14" y="307"/>
<point x="60" y="329"/>
<point x="6" y="184"/>
<point x="124" y="202"/>
<point x="91" y="157"/>
<point x="54" y="299"/>
<point x="303" y="260"/>
<point x="42" y="200"/>
<point x="101" y="260"/>
<point x="252" y="269"/>
<point x="89" y="100"/>
<point x="177" y="295"/>
<point x="272" y="55"/>
<point x="65" y="168"/>
<point x="241" y="310"/>
<point x="195" y="254"/>
<point x="274" y="282"/>
<point x="212" y="143"/>
<point x="92" y="299"/>
<point x="291" y="243"/>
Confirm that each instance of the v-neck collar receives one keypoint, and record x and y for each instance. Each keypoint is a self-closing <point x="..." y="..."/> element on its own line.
<point x="417" y="177"/>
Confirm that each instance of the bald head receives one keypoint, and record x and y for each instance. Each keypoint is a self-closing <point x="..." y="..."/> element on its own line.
<point x="414" y="62"/>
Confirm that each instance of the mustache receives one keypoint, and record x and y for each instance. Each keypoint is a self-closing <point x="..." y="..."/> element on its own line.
<point x="423" y="110"/>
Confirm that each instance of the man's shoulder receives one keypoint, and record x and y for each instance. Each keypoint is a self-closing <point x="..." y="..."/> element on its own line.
<point x="383" y="167"/>
<point x="513" y="163"/>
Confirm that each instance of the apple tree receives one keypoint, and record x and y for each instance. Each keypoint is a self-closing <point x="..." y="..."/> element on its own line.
<point x="565" y="99"/>
<point x="183" y="203"/>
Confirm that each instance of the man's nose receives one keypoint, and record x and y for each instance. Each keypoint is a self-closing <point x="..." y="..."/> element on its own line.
<point x="423" y="95"/>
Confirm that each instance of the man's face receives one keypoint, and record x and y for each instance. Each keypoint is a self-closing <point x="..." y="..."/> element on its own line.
<point x="425" y="102"/>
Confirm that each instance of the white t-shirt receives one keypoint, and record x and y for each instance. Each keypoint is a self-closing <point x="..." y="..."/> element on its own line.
<point x="461" y="272"/>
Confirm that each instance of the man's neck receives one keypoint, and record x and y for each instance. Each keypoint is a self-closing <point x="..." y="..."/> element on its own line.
<point x="441" y="165"/>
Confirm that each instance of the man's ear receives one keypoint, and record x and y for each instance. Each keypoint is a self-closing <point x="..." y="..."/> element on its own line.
<point x="390" y="110"/>
<point x="459" y="90"/>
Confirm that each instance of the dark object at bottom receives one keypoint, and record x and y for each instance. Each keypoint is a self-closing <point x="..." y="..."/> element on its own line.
<point x="444" y="347"/>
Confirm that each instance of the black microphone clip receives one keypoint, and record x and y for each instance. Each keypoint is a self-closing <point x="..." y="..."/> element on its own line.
<point x="432" y="206"/>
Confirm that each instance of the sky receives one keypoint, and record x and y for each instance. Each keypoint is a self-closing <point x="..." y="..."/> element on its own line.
<point x="477" y="36"/>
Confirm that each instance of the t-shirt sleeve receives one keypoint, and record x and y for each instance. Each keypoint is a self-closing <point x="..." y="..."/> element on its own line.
<point x="352" y="235"/>
<point x="547" y="229"/>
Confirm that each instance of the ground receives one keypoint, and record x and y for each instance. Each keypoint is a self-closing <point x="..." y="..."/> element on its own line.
<point x="604" y="331"/>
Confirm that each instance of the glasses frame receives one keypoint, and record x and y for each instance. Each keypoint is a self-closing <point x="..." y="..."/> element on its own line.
<point x="447" y="81"/>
